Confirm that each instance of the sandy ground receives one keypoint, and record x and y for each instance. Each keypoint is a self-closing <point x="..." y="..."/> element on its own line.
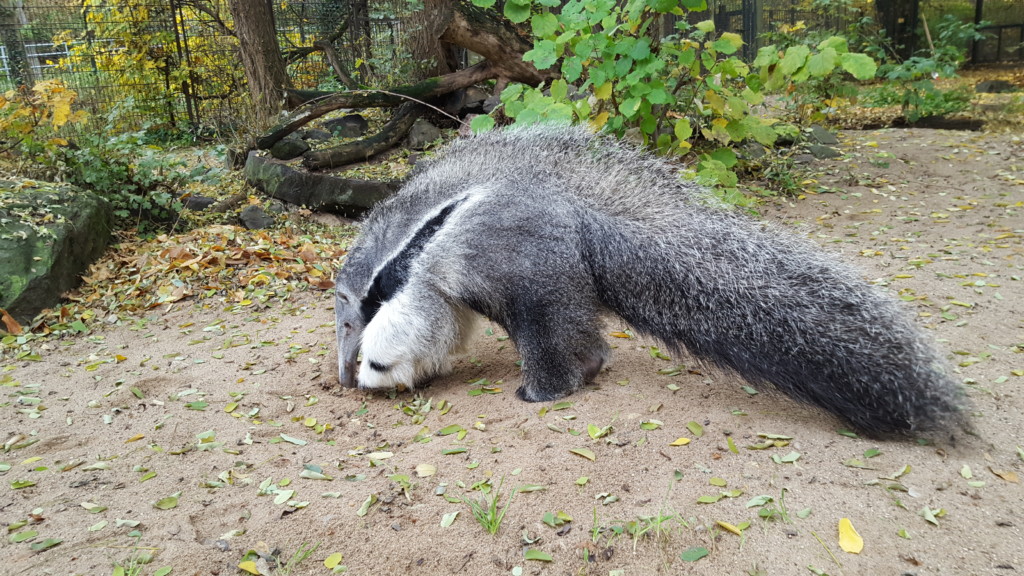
<point x="195" y="435"/>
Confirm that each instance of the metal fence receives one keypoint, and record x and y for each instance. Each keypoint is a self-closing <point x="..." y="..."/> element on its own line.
<point x="174" y="63"/>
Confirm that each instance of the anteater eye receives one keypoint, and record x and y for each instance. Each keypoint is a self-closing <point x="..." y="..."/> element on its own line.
<point x="379" y="367"/>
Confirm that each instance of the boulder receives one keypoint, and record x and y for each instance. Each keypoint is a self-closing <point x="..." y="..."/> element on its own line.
<point x="422" y="134"/>
<point x="255" y="218"/>
<point x="49" y="235"/>
<point x="289" y="147"/>
<point x="821" y="135"/>
<point x="348" y="126"/>
<point x="316" y="191"/>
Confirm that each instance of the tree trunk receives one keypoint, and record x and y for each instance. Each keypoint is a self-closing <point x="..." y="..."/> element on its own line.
<point x="261" y="56"/>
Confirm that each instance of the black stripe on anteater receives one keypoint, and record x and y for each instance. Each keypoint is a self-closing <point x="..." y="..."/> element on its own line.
<point x="394" y="275"/>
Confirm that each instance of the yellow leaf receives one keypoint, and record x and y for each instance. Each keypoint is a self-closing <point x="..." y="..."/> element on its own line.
<point x="332" y="560"/>
<point x="619" y="335"/>
<point x="598" y="122"/>
<point x="249" y="566"/>
<point x="680" y="442"/>
<point x="424" y="470"/>
<point x="135" y="438"/>
<point x="604" y="91"/>
<point x="730" y="528"/>
<point x="1007" y="475"/>
<point x="849" y="540"/>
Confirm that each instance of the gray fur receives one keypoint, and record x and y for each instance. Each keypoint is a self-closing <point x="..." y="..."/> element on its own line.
<point x="543" y="229"/>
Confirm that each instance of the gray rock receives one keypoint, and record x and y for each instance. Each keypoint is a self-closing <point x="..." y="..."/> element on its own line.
<point x="491" y="103"/>
<point x="823" y="152"/>
<point x="994" y="87"/>
<point x="234" y="158"/>
<point x="316" y="191"/>
<point x="288" y="148"/>
<point x="316" y="134"/>
<point x="422" y="134"/>
<point x="474" y="100"/>
<point x="348" y="126"/>
<point x="752" y="151"/>
<point x="255" y="218"/>
<point x="821" y="135"/>
<point x="326" y="219"/>
<point x="40" y="261"/>
<point x="197" y="203"/>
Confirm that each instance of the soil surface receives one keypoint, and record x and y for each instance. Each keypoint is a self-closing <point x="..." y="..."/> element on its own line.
<point x="195" y="434"/>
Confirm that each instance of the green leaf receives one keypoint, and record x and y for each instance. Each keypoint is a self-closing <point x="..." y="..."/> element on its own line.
<point x="517" y="11"/>
<point x="860" y="65"/>
<point x="168" y="502"/>
<point x="19" y="484"/>
<point x="23" y="536"/>
<point x="365" y="508"/>
<point x="837" y="43"/>
<point x="728" y="43"/>
<point x="447" y="430"/>
<point x="449" y="518"/>
<point x="822" y="63"/>
<point x="542" y="54"/>
<point x="584" y="452"/>
<point x="46" y="544"/>
<point x="481" y="123"/>
<point x="795" y="58"/>
<point x="694" y="554"/>
<point x="544" y="24"/>
<point x="705" y="26"/>
<point x="682" y="130"/>
<point x="629" y="107"/>
<point x="538" y="555"/>
<point x="483" y="3"/>
<point x="766" y="56"/>
<point x="662" y="6"/>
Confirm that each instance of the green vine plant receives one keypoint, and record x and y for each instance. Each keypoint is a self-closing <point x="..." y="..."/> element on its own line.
<point x="684" y="91"/>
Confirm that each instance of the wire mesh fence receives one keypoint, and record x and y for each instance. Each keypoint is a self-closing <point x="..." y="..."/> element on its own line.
<point x="175" y="63"/>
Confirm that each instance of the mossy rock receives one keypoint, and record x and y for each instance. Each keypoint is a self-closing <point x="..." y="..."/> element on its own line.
<point x="49" y="234"/>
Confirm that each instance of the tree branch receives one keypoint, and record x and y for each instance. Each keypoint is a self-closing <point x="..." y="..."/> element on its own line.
<point x="361" y="150"/>
<point x="426" y="89"/>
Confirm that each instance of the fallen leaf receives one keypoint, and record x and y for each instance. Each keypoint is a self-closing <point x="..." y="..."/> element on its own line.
<point x="849" y="540"/>
<point x="584" y="452"/>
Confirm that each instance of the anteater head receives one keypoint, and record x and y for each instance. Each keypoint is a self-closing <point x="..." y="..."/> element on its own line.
<point x="375" y="311"/>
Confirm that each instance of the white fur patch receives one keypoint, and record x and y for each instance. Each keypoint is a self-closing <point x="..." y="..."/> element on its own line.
<point x="410" y="340"/>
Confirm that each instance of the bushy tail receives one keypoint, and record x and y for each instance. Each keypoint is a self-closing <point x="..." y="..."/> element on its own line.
<point x="774" y="308"/>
